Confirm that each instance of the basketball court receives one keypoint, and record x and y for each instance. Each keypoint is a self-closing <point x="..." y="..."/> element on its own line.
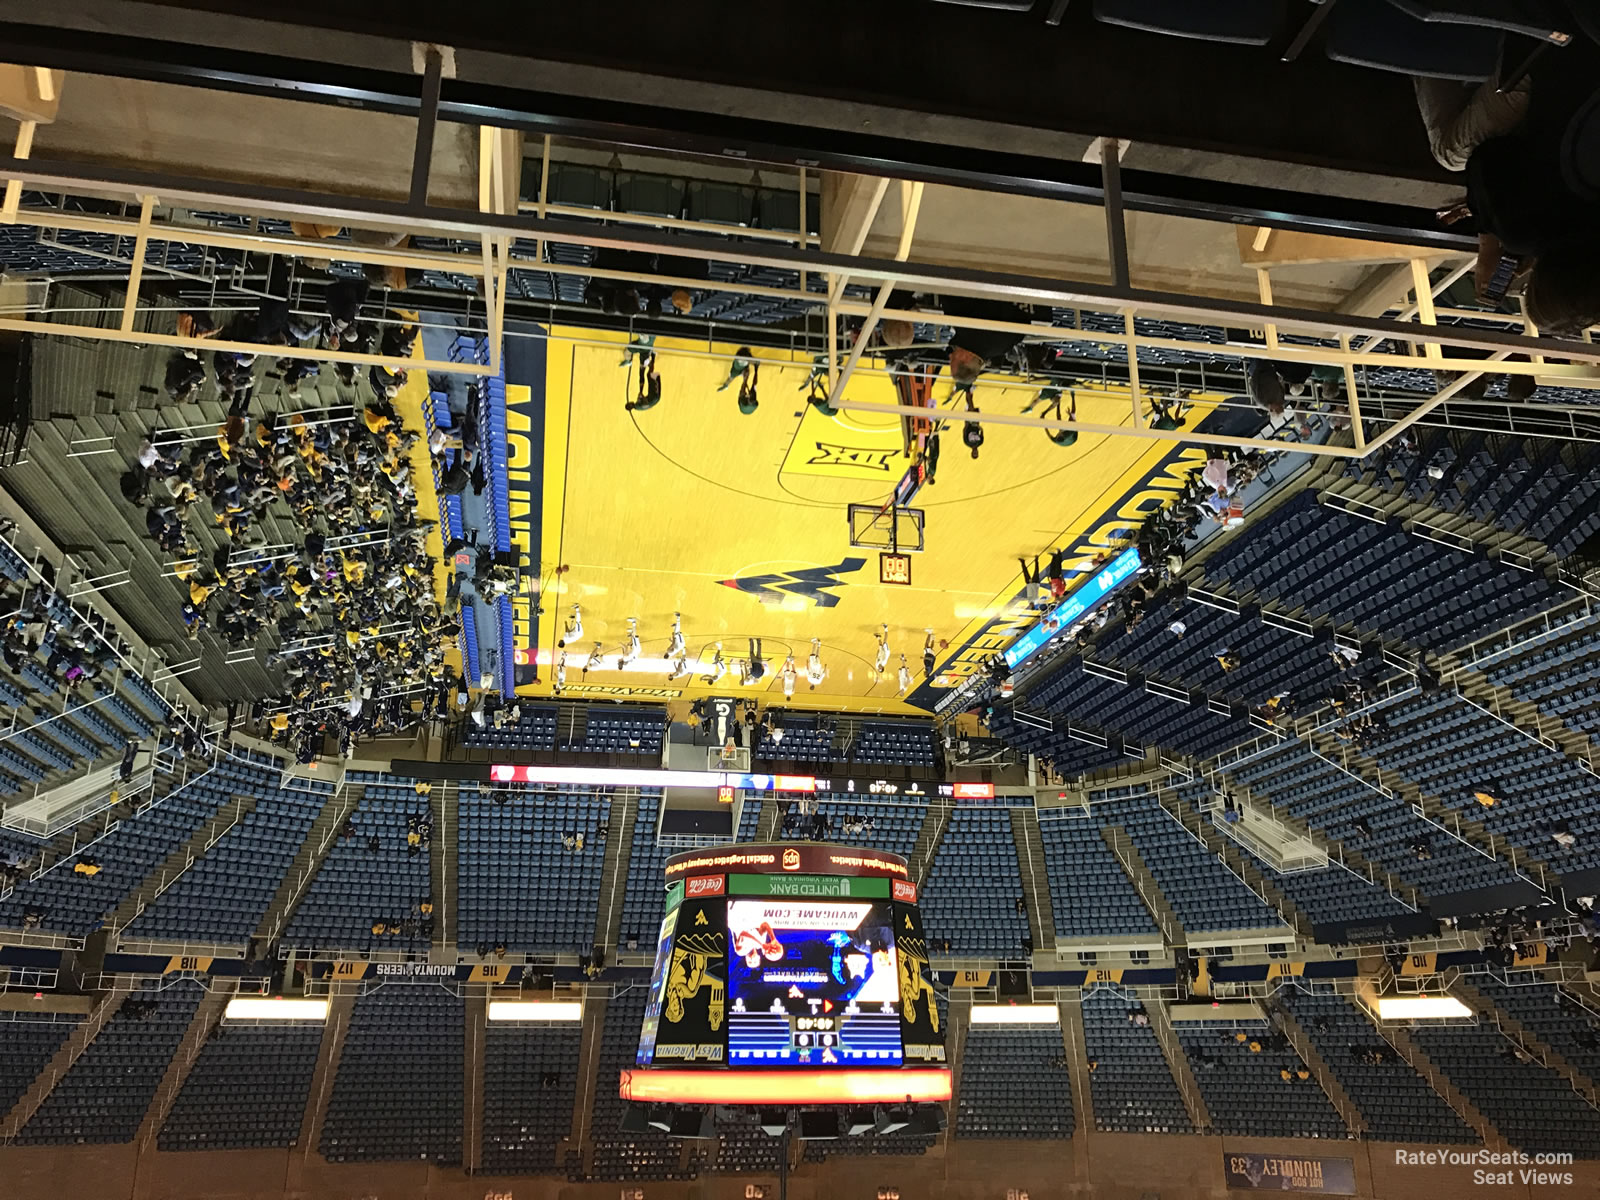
<point x="743" y="524"/>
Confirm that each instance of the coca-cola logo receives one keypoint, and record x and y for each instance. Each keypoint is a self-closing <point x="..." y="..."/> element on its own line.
<point x="706" y="885"/>
<point x="904" y="891"/>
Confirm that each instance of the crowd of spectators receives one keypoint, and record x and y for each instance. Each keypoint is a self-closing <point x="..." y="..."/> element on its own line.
<point x="361" y="636"/>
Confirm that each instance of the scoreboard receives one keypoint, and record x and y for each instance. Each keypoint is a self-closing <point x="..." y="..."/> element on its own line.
<point x="795" y="972"/>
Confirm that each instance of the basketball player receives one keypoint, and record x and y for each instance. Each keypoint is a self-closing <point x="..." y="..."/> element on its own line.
<point x="680" y="666"/>
<point x="815" y="671"/>
<point x="881" y="663"/>
<point x="789" y="675"/>
<point x="742" y="359"/>
<point x="574" y="629"/>
<point x="718" y="666"/>
<point x="561" y="670"/>
<point x="630" y="651"/>
<point x="755" y="666"/>
<point x="747" y="389"/>
<point x="905" y="676"/>
<point x="927" y="655"/>
<point x="649" y="384"/>
<point x="595" y="661"/>
<point x="676" y="649"/>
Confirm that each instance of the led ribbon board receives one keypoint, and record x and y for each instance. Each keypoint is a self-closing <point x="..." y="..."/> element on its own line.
<point x="1083" y="598"/>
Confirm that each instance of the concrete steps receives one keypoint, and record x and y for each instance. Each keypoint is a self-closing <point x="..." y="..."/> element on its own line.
<point x="934" y="824"/>
<point x="61" y="1062"/>
<point x="1035" y="877"/>
<point x="577" y="1140"/>
<point x="477" y="1019"/>
<point x="207" y="1016"/>
<point x="1076" y="1043"/>
<point x="1178" y="1063"/>
<point x="334" y="1032"/>
<point x="614" y="870"/>
<point x="445" y="803"/>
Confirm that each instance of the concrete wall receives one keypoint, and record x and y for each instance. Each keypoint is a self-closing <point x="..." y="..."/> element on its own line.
<point x="1104" y="1166"/>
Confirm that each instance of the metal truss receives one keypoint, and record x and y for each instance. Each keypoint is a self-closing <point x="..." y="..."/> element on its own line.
<point x="490" y="243"/>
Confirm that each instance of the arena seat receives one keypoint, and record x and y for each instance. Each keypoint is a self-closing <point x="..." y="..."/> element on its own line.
<point x="1129" y="1079"/>
<point x="1398" y="1104"/>
<point x="398" y="1090"/>
<point x="900" y="743"/>
<point x="1375" y="33"/>
<point x="222" y="897"/>
<point x="1204" y="894"/>
<point x="247" y="1089"/>
<point x="1535" y="1108"/>
<point x="806" y="737"/>
<point x="644" y="897"/>
<point x="895" y="824"/>
<point x="27" y="1042"/>
<point x="535" y="730"/>
<point x="971" y="889"/>
<point x="1245" y="22"/>
<point x="1552" y="1016"/>
<point x="1311" y="788"/>
<point x="994" y="1058"/>
<point x="74" y="904"/>
<point x="104" y="1096"/>
<point x="519" y="884"/>
<point x="356" y="887"/>
<point x="530" y="1081"/>
<point x="1090" y="894"/>
<point x="1243" y="1089"/>
<point x="617" y="1155"/>
<point x="1452" y="749"/>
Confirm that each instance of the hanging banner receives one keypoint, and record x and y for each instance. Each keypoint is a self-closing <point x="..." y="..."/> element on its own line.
<point x="1290" y="1173"/>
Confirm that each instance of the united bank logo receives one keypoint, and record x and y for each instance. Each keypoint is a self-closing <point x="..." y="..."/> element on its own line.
<point x="809" y="583"/>
<point x="791" y="859"/>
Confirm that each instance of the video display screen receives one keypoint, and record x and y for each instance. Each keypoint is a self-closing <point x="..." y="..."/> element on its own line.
<point x="658" y="991"/>
<point x="812" y="984"/>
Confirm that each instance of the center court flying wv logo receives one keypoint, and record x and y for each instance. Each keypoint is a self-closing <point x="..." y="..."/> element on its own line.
<point x="812" y="583"/>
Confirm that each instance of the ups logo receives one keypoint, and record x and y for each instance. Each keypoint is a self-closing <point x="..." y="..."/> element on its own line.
<point x="791" y="859"/>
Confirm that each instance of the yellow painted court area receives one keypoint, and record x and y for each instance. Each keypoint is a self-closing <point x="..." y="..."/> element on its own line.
<point x="652" y="513"/>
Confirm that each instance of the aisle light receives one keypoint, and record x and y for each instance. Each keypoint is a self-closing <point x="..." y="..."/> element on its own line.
<point x="262" y="1008"/>
<point x="1016" y="1014"/>
<point x="535" y="1010"/>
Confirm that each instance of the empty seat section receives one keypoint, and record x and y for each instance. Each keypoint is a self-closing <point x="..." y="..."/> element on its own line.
<point x="519" y="883"/>
<point x="995" y="1059"/>
<point x="969" y="897"/>
<point x="1129" y="1079"/>
<point x="530" y="1080"/>
<point x="398" y="1090"/>
<point x="247" y="1089"/>
<point x="104" y="1096"/>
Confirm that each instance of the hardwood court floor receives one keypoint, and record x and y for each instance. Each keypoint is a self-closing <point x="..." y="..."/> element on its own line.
<point x="739" y="521"/>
